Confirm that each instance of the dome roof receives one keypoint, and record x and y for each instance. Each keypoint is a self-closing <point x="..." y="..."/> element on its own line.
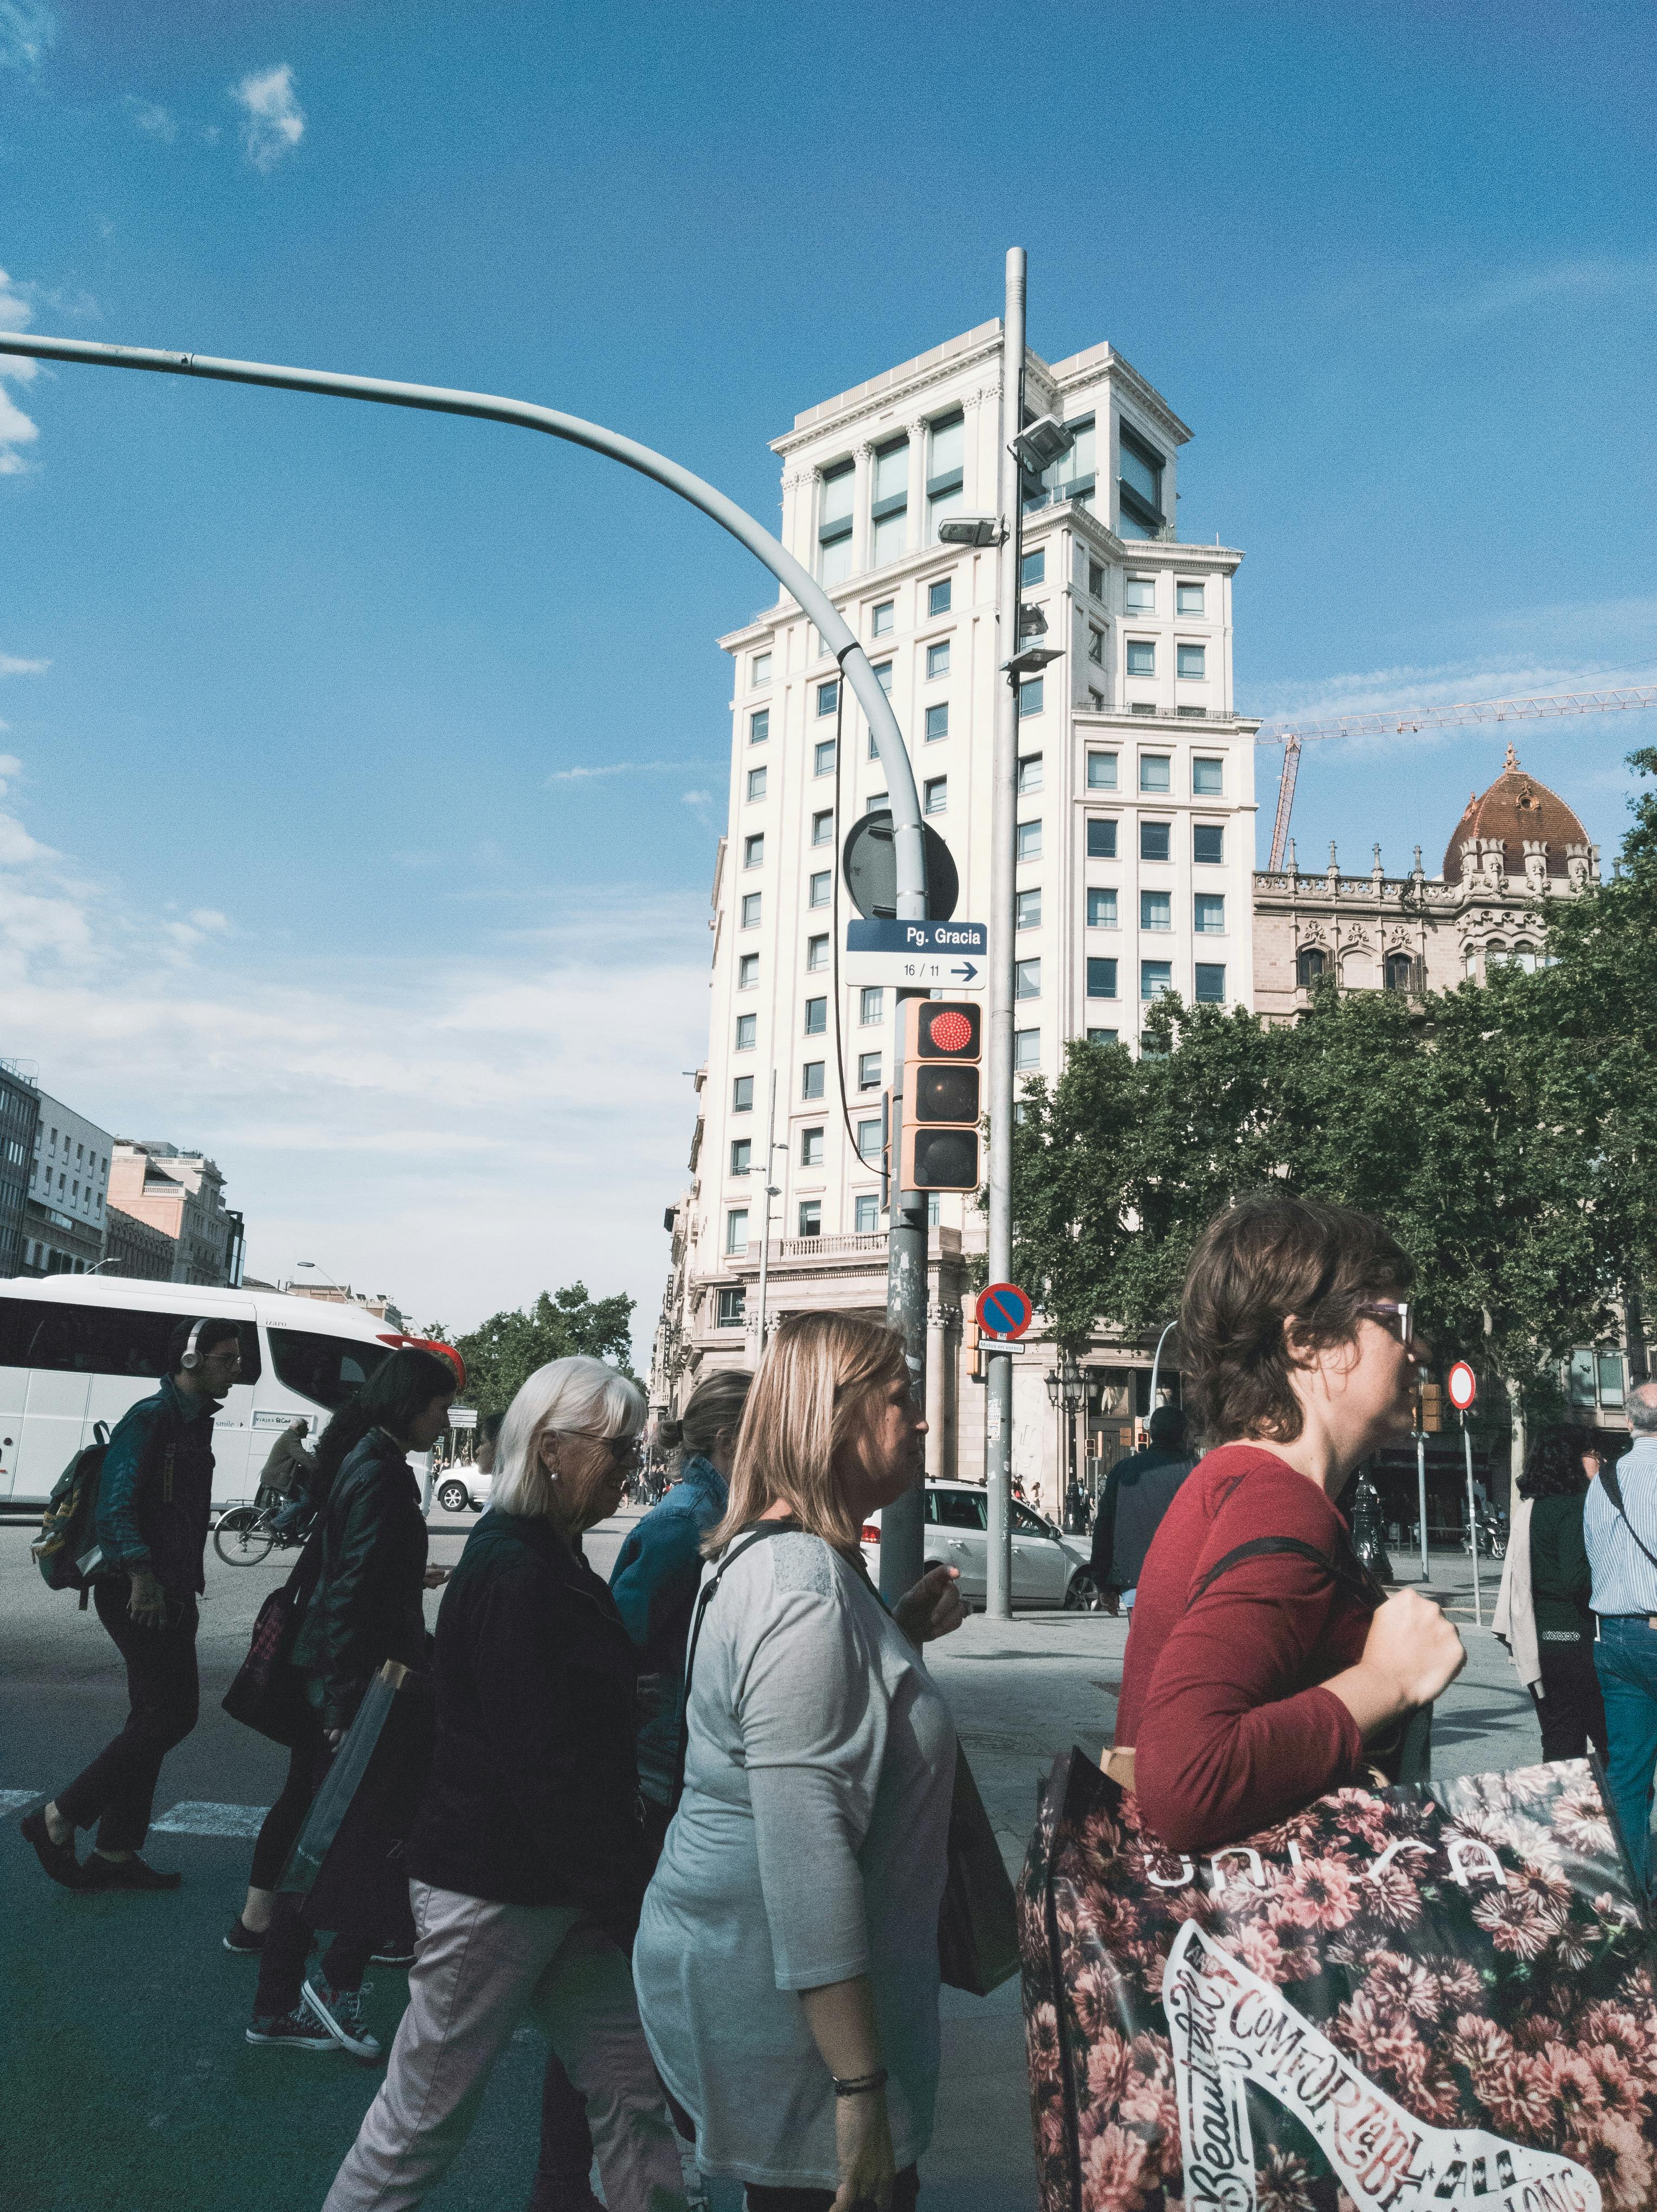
<point x="1518" y="810"/>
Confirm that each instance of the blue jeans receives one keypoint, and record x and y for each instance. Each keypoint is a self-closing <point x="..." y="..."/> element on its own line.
<point x="1625" y="1660"/>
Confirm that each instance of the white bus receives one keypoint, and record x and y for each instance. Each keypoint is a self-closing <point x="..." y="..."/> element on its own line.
<point x="75" y="1350"/>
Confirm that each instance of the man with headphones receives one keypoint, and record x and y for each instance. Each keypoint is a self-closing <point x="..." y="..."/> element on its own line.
<point x="151" y="1530"/>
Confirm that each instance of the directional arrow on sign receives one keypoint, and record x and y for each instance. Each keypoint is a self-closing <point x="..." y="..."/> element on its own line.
<point x="964" y="974"/>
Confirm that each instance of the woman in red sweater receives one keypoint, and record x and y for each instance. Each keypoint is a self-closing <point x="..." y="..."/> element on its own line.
<point x="1263" y="1668"/>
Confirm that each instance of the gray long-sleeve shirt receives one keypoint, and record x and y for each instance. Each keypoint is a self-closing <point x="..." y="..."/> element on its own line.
<point x="809" y="1848"/>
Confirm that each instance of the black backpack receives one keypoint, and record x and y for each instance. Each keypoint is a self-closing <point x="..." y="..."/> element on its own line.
<point x="66" y="1527"/>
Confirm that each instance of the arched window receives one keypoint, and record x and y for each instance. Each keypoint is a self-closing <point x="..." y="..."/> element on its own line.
<point x="1472" y="962"/>
<point x="1308" y="966"/>
<point x="1400" y="972"/>
<point x="1524" y="955"/>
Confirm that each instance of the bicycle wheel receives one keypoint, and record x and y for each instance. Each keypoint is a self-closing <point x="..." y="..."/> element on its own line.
<point x="243" y="1536"/>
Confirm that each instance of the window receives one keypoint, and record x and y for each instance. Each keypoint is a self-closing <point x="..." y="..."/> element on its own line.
<point x="869" y="1139"/>
<point x="742" y="1094"/>
<point x="822" y="827"/>
<point x="1026" y="1050"/>
<point x="817" y="889"/>
<point x="1210" y="914"/>
<point x="759" y="726"/>
<point x="1156" y="910"/>
<point x="871" y="1005"/>
<point x="936" y="792"/>
<point x="1101" y="979"/>
<point x="126" y="1341"/>
<point x="1101" y="771"/>
<point x="1191" y="660"/>
<point x="1141" y="595"/>
<point x="753" y="851"/>
<point x="868" y="1070"/>
<point x="1154" y="841"/>
<point x="1208" y="777"/>
<point x="1096" y="646"/>
<point x="883" y="676"/>
<point x="1155" y="977"/>
<point x="817" y="954"/>
<point x="746" y="1026"/>
<point x="828" y="696"/>
<point x="1398" y="972"/>
<point x="1102" y="1036"/>
<point x="760" y="670"/>
<point x="1609" y="1367"/>
<point x="811" y="1079"/>
<point x="1210" y="983"/>
<point x="741" y="1155"/>
<point x="874" y="746"/>
<point x="736" y="1230"/>
<point x="1030" y="695"/>
<point x="1101" y="840"/>
<point x="889" y="510"/>
<point x="958" y="1509"/>
<point x="882" y="617"/>
<point x="731" y="1305"/>
<point x="1308" y="966"/>
<point x="748" y="972"/>
<point x="751" y="910"/>
<point x="1096" y="579"/>
<point x="1141" y="657"/>
<point x="811" y="1148"/>
<point x="1156" y="772"/>
<point x="1188" y="599"/>
<point x="1207" y="844"/>
<point x="937" y="660"/>
<point x="876" y="803"/>
<point x="1029" y="840"/>
<point x="945" y="473"/>
<point x="1191" y="714"/>
<point x="866" y="1213"/>
<point x="1029" y="774"/>
<point x="822" y="759"/>
<point x="937" y="722"/>
<point x="816" y="1017"/>
<point x="834" y="495"/>
<point x="1033" y="568"/>
<point x="1027" y="979"/>
<point x="1101" y="910"/>
<point x="1141" y="706"/>
<point x="756" y="783"/>
<point x="1027" y="910"/>
<point x="1139" y="489"/>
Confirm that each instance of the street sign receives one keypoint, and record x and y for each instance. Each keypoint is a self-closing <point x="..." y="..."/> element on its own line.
<point x="1004" y="1311"/>
<point x="869" y="858"/>
<point x="1463" y="1385"/>
<point x="919" y="955"/>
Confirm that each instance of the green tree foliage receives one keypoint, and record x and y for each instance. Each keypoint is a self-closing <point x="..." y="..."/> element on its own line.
<point x="505" y="1349"/>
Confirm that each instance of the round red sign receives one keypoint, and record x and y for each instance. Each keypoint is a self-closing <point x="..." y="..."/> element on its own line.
<point x="1463" y="1385"/>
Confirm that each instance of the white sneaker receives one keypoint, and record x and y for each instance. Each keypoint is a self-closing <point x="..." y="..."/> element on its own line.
<point x="340" y="2012"/>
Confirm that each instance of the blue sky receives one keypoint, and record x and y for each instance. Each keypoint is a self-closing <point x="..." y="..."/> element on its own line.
<point x="292" y="862"/>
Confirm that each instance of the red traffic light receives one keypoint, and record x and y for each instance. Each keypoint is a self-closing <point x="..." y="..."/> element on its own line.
<point x="946" y="1029"/>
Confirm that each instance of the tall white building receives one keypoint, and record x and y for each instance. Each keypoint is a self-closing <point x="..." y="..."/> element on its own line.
<point x="1136" y="829"/>
<point x="67" y="1213"/>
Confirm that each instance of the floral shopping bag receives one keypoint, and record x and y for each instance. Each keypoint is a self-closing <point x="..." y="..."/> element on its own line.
<point x="1428" y="2000"/>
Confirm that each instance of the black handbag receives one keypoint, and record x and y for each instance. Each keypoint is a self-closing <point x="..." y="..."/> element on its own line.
<point x="978" y="1919"/>
<point x="268" y="1692"/>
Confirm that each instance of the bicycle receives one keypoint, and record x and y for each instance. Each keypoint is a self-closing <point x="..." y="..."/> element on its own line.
<point x="244" y="1534"/>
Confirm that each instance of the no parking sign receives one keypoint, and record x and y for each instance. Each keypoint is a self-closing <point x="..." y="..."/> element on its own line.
<point x="1004" y="1311"/>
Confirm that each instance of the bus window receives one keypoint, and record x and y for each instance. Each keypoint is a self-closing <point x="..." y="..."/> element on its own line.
<point x="120" y="1341"/>
<point x="328" y="1370"/>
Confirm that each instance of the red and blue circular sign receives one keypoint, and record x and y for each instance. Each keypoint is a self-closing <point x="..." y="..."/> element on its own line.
<point x="1004" y="1311"/>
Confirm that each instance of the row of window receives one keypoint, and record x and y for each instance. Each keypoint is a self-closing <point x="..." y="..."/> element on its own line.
<point x="889" y="521"/>
<point x="865" y="1222"/>
<point x="1155" y="977"/>
<point x="1208" y="770"/>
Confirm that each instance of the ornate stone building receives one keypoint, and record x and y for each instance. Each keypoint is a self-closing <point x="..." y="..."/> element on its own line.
<point x="1516" y="843"/>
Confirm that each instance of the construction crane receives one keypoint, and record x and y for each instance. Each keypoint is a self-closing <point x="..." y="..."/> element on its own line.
<point x="1292" y="737"/>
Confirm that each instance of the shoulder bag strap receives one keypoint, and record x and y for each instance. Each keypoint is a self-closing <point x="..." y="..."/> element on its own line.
<point x="1349" y="1573"/>
<point x="704" y="1598"/>
<point x="1613" y="1490"/>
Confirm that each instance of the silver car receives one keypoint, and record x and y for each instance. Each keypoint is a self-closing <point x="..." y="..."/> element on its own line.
<point x="463" y="1488"/>
<point x="1049" y="1568"/>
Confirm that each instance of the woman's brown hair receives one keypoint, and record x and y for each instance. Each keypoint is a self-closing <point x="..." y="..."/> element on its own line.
<point x="816" y="1392"/>
<point x="1269" y="1256"/>
<point x="714" y="1409"/>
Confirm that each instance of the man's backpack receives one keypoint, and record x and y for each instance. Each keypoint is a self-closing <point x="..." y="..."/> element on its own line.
<point x="66" y="1526"/>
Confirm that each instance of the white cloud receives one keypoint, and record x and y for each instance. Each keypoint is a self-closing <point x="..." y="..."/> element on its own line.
<point x="275" y="122"/>
<point x="153" y="120"/>
<point x="9" y="767"/>
<point x="696" y="799"/>
<point x="15" y="427"/>
<point x="584" y="775"/>
<point x="11" y="665"/>
<point x="26" y="29"/>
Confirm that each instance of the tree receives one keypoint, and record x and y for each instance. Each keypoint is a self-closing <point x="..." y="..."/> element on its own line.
<point x="504" y="1351"/>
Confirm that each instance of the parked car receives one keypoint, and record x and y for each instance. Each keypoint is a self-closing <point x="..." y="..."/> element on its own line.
<point x="462" y="1487"/>
<point x="1049" y="1568"/>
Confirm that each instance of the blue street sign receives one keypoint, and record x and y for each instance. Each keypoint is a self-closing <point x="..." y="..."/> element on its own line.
<point x="1004" y="1311"/>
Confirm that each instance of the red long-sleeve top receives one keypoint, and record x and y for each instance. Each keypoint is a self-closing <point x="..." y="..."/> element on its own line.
<point x="1220" y="1697"/>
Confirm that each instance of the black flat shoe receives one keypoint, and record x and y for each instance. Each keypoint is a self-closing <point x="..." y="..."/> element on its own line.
<point x="59" y="1859"/>
<point x="124" y="1874"/>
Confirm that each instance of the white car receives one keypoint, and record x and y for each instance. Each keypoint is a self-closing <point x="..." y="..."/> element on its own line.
<point x="1049" y="1568"/>
<point x="460" y="1489"/>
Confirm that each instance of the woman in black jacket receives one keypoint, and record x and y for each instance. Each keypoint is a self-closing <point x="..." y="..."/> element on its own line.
<point x="527" y="1860"/>
<point x="366" y="1608"/>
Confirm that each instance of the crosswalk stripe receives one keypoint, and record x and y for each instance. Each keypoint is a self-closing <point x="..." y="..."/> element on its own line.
<point x="196" y="1818"/>
<point x="19" y="1801"/>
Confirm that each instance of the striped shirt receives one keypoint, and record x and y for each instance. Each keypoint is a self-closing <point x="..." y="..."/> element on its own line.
<point x="1624" y="1580"/>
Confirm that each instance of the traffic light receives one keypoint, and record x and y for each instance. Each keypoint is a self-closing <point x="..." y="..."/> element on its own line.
<point x="942" y="1045"/>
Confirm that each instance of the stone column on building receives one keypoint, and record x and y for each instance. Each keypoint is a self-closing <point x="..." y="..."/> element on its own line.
<point x="862" y="498"/>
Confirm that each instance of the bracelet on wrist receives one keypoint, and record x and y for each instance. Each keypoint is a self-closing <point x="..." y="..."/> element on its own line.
<point x="859" y="2085"/>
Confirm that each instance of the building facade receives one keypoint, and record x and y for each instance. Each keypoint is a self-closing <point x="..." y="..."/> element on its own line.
<point x="66" y="1217"/>
<point x="19" y="1116"/>
<point x="134" y="1251"/>
<point x="182" y="1194"/>
<point x="1134" y="835"/>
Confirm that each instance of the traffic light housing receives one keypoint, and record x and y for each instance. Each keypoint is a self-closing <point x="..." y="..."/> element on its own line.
<point x="942" y="1056"/>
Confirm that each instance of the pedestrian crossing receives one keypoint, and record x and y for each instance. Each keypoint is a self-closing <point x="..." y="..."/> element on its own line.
<point x="192" y="1816"/>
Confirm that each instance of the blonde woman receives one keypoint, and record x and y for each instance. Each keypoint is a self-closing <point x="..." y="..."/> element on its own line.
<point x="528" y="1858"/>
<point x="787" y="1961"/>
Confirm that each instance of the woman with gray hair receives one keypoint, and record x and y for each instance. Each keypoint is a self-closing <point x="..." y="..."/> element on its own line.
<point x="528" y="1858"/>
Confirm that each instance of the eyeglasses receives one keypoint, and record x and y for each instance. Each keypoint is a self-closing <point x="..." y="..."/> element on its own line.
<point x="1396" y="1317"/>
<point x="626" y="1451"/>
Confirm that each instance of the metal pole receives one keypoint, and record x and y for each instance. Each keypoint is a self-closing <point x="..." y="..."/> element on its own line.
<point x="1003" y="830"/>
<point x="765" y="1215"/>
<point x="1156" y="1360"/>
<point x="1472" y="1521"/>
<point x="1421" y="1481"/>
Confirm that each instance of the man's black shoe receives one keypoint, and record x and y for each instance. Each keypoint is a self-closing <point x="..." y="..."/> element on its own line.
<point x="245" y="1942"/>
<point x="124" y="1874"/>
<point x="59" y="1859"/>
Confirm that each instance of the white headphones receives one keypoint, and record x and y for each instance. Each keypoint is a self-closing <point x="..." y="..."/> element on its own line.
<point x="191" y="1358"/>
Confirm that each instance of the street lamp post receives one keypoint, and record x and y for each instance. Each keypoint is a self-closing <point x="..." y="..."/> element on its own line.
<point x="902" y="1548"/>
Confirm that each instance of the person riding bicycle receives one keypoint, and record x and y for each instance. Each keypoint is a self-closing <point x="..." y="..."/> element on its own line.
<point x="289" y="1473"/>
